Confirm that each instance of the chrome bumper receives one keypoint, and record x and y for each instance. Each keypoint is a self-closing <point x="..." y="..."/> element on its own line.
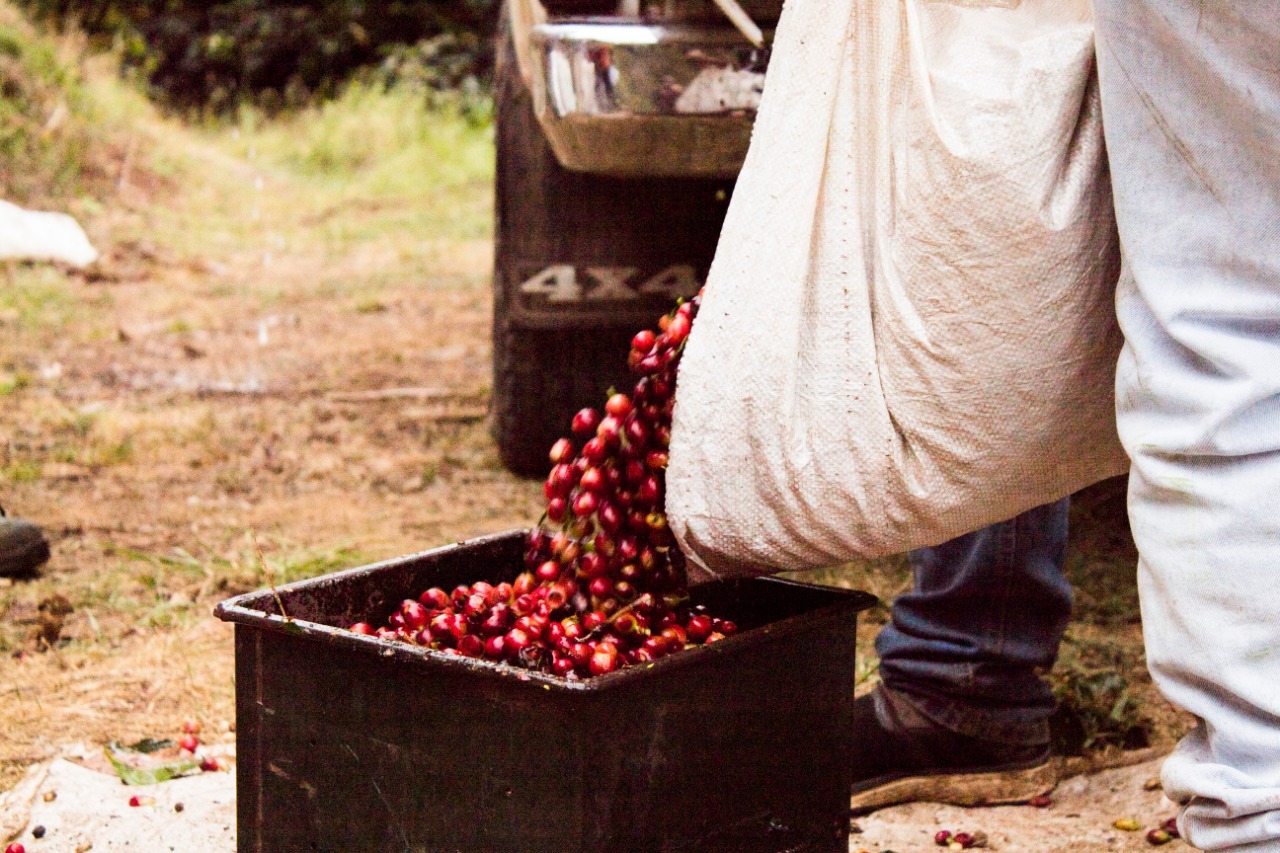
<point x="639" y="100"/>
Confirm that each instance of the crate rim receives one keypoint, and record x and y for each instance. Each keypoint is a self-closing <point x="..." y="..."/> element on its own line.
<point x="234" y="610"/>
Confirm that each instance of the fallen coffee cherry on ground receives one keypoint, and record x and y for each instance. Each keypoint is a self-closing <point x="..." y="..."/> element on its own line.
<point x="15" y="847"/>
<point x="189" y="742"/>
<point x="209" y="764"/>
<point x="1158" y="836"/>
<point x="136" y="800"/>
<point x="959" y="840"/>
<point x="1126" y="824"/>
<point x="1041" y="802"/>
<point x="604" y="586"/>
<point x="38" y="832"/>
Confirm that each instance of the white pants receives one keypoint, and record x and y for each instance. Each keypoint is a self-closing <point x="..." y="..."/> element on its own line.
<point x="1191" y="107"/>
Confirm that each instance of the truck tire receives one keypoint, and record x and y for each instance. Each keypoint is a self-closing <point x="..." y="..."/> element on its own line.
<point x="553" y="357"/>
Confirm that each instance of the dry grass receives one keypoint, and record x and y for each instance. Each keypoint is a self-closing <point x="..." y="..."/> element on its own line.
<point x="191" y="393"/>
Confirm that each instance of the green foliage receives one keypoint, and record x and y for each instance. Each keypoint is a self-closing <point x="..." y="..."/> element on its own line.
<point x="284" y="52"/>
<point x="1098" y="707"/>
<point x="131" y="775"/>
<point x="41" y="145"/>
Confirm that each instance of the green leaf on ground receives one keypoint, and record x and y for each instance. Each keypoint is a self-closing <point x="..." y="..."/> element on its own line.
<point x="148" y="775"/>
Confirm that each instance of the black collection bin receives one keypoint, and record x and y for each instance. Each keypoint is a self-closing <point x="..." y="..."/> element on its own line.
<point x="350" y="743"/>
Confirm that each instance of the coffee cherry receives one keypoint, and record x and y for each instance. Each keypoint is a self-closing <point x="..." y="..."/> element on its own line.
<point x="561" y="451"/>
<point x="210" y="764"/>
<point x="585" y="504"/>
<point x="592" y="565"/>
<point x="942" y="837"/>
<point x="557" y="508"/>
<point x="603" y="586"/>
<point x="562" y="666"/>
<point x="15" y="847"/>
<point x="604" y="659"/>
<point x="516" y="641"/>
<point x="610" y="518"/>
<point x="699" y="628"/>
<point x="548" y="571"/>
<point x="414" y="615"/>
<point x="585" y="422"/>
<point x="643" y="341"/>
<point x="594" y="451"/>
<point x="610" y="431"/>
<point x="1158" y="836"/>
<point x="471" y="645"/>
<point x="678" y="329"/>
<point x="362" y="628"/>
<point x="619" y="406"/>
<point x="189" y="742"/>
<point x="434" y="598"/>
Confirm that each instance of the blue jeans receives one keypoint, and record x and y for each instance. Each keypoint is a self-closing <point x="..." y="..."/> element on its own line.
<point x="987" y="612"/>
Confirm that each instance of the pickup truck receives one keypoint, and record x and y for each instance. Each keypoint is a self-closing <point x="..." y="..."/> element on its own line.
<point x="619" y="131"/>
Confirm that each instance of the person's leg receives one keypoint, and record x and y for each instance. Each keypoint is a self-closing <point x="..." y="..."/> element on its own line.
<point x="962" y="713"/>
<point x="986" y="614"/>
<point x="1191" y="108"/>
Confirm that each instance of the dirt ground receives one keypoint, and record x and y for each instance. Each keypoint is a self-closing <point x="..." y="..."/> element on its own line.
<point x="274" y="360"/>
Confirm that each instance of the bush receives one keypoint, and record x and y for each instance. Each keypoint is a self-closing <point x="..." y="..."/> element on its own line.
<point x="57" y="140"/>
<point x="283" y="52"/>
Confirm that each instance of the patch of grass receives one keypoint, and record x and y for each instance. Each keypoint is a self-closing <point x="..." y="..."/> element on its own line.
<point x="21" y="471"/>
<point x="394" y="156"/>
<point x="38" y="298"/>
<point x="60" y="135"/>
<point x="14" y="383"/>
<point x="370" y="305"/>
<point x="172" y="589"/>
<point x="1098" y="706"/>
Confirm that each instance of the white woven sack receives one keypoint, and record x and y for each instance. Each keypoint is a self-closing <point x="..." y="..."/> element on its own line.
<point x="908" y="331"/>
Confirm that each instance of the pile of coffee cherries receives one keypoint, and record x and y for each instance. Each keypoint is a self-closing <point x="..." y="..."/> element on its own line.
<point x="604" y="586"/>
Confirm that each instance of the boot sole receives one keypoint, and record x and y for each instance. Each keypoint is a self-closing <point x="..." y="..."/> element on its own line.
<point x="24" y="560"/>
<point x="994" y="787"/>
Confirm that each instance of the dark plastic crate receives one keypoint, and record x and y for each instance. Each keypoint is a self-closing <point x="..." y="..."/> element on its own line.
<point x="350" y="743"/>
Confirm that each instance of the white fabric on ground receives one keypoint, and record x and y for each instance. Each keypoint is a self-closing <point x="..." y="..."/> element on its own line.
<point x="29" y="235"/>
<point x="1191" y="100"/>
<point x="91" y="811"/>
<point x="908" y="330"/>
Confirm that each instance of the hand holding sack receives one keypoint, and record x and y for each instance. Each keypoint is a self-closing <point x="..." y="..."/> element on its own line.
<point x="908" y="331"/>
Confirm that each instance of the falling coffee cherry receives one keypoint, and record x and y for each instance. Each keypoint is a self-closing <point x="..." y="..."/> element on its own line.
<point x="603" y="585"/>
